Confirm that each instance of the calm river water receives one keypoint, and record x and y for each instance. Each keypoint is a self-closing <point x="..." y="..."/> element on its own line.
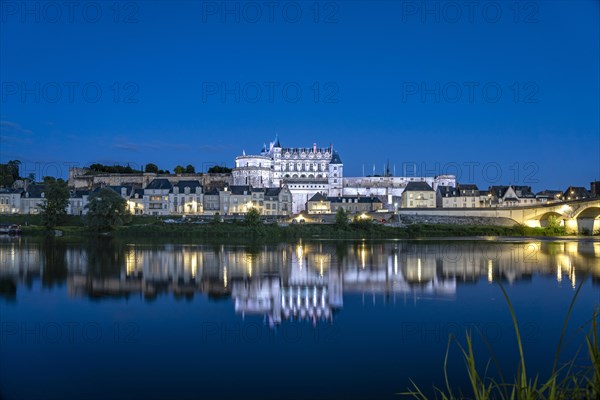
<point x="313" y="319"/>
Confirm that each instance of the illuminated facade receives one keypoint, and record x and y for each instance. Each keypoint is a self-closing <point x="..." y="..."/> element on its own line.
<point x="304" y="171"/>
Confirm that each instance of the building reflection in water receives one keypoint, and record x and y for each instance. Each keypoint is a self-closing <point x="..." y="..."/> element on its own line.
<point x="303" y="281"/>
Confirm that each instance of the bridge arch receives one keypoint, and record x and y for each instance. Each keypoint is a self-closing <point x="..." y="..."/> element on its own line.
<point x="588" y="220"/>
<point x="550" y="217"/>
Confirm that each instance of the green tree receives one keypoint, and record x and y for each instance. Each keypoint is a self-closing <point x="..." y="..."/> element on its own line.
<point x="252" y="217"/>
<point x="151" y="168"/>
<point x="179" y="169"/>
<point x="189" y="169"/>
<point x="54" y="210"/>
<point x="216" y="219"/>
<point x="106" y="209"/>
<point x="9" y="172"/>
<point x="217" y="169"/>
<point x="112" y="169"/>
<point x="341" y="218"/>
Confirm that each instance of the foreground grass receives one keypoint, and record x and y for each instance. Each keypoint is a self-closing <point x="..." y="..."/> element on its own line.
<point x="566" y="382"/>
<point x="155" y="226"/>
<point x="275" y="232"/>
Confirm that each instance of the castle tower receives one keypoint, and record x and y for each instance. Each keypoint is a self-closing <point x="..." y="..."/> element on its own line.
<point x="336" y="173"/>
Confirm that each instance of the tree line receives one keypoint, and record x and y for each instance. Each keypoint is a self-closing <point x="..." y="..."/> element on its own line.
<point x="153" y="168"/>
<point x="9" y="173"/>
<point x="105" y="209"/>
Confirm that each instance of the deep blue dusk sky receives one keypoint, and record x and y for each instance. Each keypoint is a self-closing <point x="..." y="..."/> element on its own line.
<point x="367" y="72"/>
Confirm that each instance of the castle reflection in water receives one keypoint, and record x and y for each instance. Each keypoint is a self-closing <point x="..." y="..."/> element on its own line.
<point x="301" y="281"/>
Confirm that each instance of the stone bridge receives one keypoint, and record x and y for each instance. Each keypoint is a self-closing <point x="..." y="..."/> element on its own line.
<point x="577" y="215"/>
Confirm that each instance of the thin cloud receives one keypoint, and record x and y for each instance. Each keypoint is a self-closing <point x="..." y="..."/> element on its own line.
<point x="13" y="128"/>
<point x="127" y="146"/>
<point x="138" y="147"/>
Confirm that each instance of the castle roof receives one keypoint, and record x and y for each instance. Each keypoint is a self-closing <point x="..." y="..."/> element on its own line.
<point x="335" y="158"/>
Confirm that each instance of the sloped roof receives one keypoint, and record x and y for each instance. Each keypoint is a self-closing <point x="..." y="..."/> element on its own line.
<point x="272" y="192"/>
<point x="10" y="190"/>
<point x="335" y="158"/>
<point x="498" y="191"/>
<point x="352" y="199"/>
<point x="577" y="191"/>
<point x="523" y="191"/>
<point x="35" y="191"/>
<point x="448" y="191"/>
<point x="418" y="187"/>
<point x="160" y="183"/>
<point x="192" y="184"/>
<point x="467" y="186"/>
<point x="77" y="194"/>
<point x="318" y="197"/>
<point x="128" y="189"/>
<point x="239" y="189"/>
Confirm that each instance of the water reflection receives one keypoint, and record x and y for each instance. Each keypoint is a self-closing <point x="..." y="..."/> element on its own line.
<point x="301" y="281"/>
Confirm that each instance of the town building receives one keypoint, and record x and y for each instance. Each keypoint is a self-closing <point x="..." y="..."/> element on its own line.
<point x="10" y="201"/>
<point x="318" y="204"/>
<point x="418" y="195"/>
<point x="33" y="198"/>
<point x="156" y="197"/>
<point x="595" y="188"/>
<point x="186" y="198"/>
<point x="461" y="196"/>
<point x="511" y="196"/>
<point x="355" y="204"/>
<point x="78" y="199"/>
<point x="548" y="196"/>
<point x="576" y="193"/>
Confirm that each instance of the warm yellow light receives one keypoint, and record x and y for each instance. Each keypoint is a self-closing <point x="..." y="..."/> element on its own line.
<point x="571" y="247"/>
<point x="490" y="274"/>
<point x="363" y="256"/>
<point x="130" y="262"/>
<point x="300" y="255"/>
<point x="225" y="277"/>
<point x="419" y="272"/>
<point x="193" y="266"/>
<point x="249" y="261"/>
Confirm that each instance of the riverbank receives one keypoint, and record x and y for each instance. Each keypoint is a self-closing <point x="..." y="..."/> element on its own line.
<point x="155" y="227"/>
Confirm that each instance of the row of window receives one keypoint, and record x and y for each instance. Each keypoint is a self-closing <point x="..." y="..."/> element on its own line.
<point x="303" y="154"/>
<point x="307" y="167"/>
